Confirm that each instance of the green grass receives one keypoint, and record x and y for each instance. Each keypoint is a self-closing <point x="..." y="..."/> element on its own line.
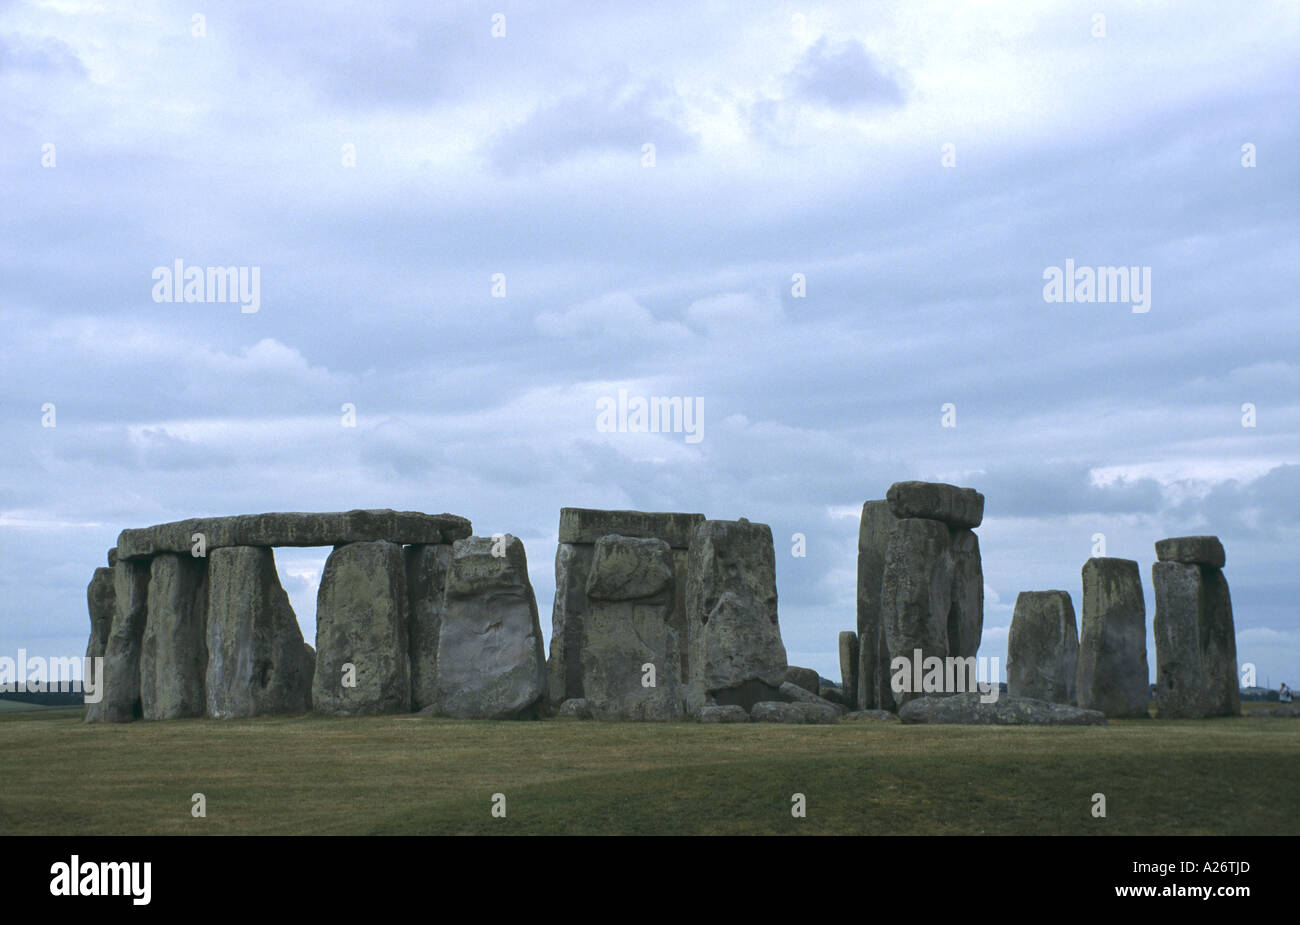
<point x="407" y="774"/>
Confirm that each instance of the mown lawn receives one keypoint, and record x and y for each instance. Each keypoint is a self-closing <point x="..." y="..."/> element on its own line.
<point x="412" y="775"/>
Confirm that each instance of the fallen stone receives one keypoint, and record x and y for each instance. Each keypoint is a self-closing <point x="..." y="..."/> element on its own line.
<point x="1283" y="711"/>
<point x="916" y="593"/>
<point x="736" y="653"/>
<point x="426" y="579"/>
<point x="770" y="711"/>
<point x="293" y="529"/>
<point x="490" y="659"/>
<point x="883" y="716"/>
<point x="362" y="622"/>
<point x="174" y="652"/>
<point x="630" y="648"/>
<point x="1113" y="674"/>
<point x="1191" y="550"/>
<point x="793" y="693"/>
<point x="576" y="708"/>
<point x="120" y="700"/>
<point x="806" y="678"/>
<point x="728" y="713"/>
<point x="834" y="695"/>
<point x="1043" y="647"/>
<point x="1007" y="710"/>
<point x="849" y="668"/>
<point x="957" y="507"/>
<point x="258" y="663"/>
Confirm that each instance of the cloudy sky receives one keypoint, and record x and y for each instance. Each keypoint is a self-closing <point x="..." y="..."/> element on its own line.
<point x="919" y="164"/>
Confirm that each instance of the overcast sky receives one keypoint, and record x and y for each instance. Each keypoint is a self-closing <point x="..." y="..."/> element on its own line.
<point x="787" y="139"/>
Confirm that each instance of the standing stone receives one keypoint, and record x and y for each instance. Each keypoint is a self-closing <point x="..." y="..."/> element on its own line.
<point x="966" y="613"/>
<point x="1043" y="647"/>
<point x="849" y="667"/>
<point x="490" y="659"/>
<point x="258" y="663"/>
<point x="426" y="579"/>
<point x="629" y="638"/>
<point x="874" y="529"/>
<point x="1196" y="648"/>
<point x="361" y="621"/>
<point x="174" y="654"/>
<point x="101" y="600"/>
<point x="1113" y="675"/>
<point x="580" y="529"/>
<point x="916" y="593"/>
<point x="120" y="698"/>
<point x="736" y="653"/>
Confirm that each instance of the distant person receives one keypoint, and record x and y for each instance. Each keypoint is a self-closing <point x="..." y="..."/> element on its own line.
<point x="1284" y="693"/>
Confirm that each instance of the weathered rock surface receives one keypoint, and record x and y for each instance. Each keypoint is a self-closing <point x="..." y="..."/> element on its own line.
<point x="775" y="711"/>
<point x="834" y="695"/>
<point x="966" y="709"/>
<point x="293" y="529"/>
<point x="957" y="507"/>
<point x="426" y="579"/>
<point x="1191" y="550"/>
<point x="916" y="590"/>
<point x="1113" y="672"/>
<point x="966" y="611"/>
<point x="490" y="659"/>
<point x="793" y="693"/>
<point x="120" y="699"/>
<point x="576" y="708"/>
<point x="630" y="648"/>
<point x="736" y="653"/>
<point x="730" y="713"/>
<point x="258" y="663"/>
<point x="1196" y="646"/>
<point x="101" y="601"/>
<point x="580" y="529"/>
<point x="806" y="678"/>
<point x="362" y="621"/>
<point x="874" y="529"/>
<point x="584" y="525"/>
<point x="849" y="668"/>
<point x="1043" y="647"/>
<point x="174" y="653"/>
<point x="112" y="556"/>
<point x="883" y="716"/>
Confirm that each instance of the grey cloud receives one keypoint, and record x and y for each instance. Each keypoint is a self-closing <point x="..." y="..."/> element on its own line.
<point x="843" y="74"/>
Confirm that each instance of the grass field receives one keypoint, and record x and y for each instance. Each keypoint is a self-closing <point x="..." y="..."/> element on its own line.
<point x="410" y="775"/>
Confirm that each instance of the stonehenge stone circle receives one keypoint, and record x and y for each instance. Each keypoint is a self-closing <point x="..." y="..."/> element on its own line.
<point x="970" y="710"/>
<point x="916" y="592"/>
<point x="362" y="643"/>
<point x="1043" y="647"/>
<point x="1196" y="643"/>
<point x="630" y="638"/>
<point x="258" y="663"/>
<point x="736" y="653"/>
<point x="174" y="653"/>
<point x="580" y="529"/>
<point x="491" y="663"/>
<point x="1113" y="673"/>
